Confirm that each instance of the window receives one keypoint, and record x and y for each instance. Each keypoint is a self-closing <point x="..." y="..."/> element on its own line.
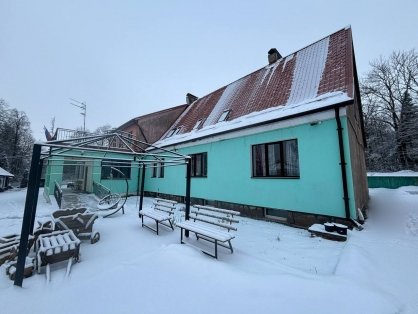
<point x="122" y="166"/>
<point x="197" y="125"/>
<point x="174" y="132"/>
<point x="161" y="168"/>
<point x="158" y="169"/>
<point x="154" y="170"/>
<point x="279" y="159"/>
<point x="199" y="165"/>
<point x="224" y="116"/>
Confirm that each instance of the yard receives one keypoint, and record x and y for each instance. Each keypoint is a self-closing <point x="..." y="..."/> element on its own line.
<point x="274" y="268"/>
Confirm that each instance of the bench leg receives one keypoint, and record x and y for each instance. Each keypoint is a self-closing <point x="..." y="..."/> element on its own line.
<point x="48" y="273"/>
<point x="181" y="236"/>
<point x="142" y="219"/>
<point x="171" y="225"/>
<point x="230" y="246"/>
<point x="216" y="249"/>
<point x="70" y="263"/>
<point x="157" y="225"/>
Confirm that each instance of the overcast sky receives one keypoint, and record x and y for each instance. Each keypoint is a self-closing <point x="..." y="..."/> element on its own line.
<point x="129" y="58"/>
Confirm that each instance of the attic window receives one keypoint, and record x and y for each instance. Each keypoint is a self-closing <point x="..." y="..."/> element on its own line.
<point x="224" y="116"/>
<point x="198" y="124"/>
<point x="174" y="132"/>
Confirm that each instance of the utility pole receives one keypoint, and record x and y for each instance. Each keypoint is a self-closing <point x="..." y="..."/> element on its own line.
<point x="83" y="107"/>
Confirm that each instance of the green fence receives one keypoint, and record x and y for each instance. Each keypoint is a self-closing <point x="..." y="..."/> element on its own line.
<point x="391" y="182"/>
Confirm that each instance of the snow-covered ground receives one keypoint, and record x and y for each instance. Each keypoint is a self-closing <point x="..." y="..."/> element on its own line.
<point x="274" y="268"/>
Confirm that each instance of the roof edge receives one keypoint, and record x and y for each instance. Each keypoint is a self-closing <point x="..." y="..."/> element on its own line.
<point x="296" y="115"/>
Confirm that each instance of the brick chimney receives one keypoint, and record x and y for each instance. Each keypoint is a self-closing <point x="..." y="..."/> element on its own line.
<point x="190" y="98"/>
<point x="273" y="55"/>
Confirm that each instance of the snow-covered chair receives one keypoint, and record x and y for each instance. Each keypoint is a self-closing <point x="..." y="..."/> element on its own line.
<point x="56" y="247"/>
<point x="79" y="220"/>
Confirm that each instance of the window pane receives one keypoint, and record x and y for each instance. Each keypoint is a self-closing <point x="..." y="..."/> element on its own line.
<point x="198" y="165"/>
<point x="259" y="167"/>
<point x="204" y="164"/>
<point x="274" y="162"/>
<point x="291" y="158"/>
<point x="154" y="170"/>
<point x="161" y="170"/>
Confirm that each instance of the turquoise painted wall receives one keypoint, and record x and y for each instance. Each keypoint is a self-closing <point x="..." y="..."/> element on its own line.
<point x="318" y="190"/>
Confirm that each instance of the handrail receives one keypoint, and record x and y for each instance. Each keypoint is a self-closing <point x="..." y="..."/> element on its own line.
<point x="100" y="190"/>
<point x="58" y="193"/>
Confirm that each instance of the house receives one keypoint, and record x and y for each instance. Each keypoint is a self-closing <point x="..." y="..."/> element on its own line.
<point x="5" y="176"/>
<point x="150" y="127"/>
<point x="285" y="142"/>
<point x="86" y="171"/>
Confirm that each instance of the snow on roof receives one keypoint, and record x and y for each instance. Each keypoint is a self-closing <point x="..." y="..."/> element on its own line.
<point x="256" y="117"/>
<point x="322" y="70"/>
<point x="5" y="173"/>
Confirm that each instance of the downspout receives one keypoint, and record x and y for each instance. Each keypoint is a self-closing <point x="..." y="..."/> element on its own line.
<point x="342" y="163"/>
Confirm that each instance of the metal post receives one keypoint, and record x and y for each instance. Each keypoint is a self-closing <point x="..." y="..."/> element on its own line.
<point x="35" y="196"/>
<point x="141" y="200"/>
<point x="30" y="211"/>
<point x="188" y="185"/>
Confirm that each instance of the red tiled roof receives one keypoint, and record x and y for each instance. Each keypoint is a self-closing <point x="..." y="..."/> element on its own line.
<point x="323" y="67"/>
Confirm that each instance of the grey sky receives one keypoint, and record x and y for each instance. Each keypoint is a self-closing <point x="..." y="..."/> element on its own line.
<point x="128" y="58"/>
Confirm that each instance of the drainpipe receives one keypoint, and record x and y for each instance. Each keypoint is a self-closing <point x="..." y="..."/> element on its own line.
<point x="342" y="163"/>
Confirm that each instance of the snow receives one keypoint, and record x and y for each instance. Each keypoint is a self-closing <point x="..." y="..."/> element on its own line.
<point x="310" y="63"/>
<point x="224" y="101"/>
<point x="402" y="173"/>
<point x="257" y="117"/>
<point x="273" y="267"/>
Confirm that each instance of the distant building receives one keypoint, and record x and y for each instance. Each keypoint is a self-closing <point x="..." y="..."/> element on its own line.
<point x="5" y="177"/>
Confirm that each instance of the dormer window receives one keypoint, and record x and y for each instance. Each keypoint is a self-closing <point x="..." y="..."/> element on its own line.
<point x="197" y="125"/>
<point x="173" y="132"/>
<point x="224" y="116"/>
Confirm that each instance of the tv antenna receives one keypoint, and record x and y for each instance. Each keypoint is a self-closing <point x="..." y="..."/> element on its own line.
<point x="83" y="107"/>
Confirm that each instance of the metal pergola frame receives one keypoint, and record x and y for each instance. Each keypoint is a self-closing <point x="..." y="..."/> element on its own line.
<point x="63" y="148"/>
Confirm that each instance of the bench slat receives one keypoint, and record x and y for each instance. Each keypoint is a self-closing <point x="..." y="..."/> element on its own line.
<point x="219" y="210"/>
<point x="229" y="227"/>
<point x="163" y="209"/>
<point x="206" y="230"/>
<point x="214" y="216"/>
<point x="165" y="201"/>
<point x="156" y="215"/>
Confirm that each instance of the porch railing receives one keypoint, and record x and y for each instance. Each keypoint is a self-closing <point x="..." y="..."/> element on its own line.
<point x="100" y="190"/>
<point x="58" y="193"/>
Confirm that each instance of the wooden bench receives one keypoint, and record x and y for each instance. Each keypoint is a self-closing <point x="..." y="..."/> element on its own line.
<point x="161" y="211"/>
<point x="57" y="247"/>
<point x="211" y="224"/>
<point x="9" y="246"/>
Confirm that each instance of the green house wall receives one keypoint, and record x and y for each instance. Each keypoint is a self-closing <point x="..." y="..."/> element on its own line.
<point x="319" y="189"/>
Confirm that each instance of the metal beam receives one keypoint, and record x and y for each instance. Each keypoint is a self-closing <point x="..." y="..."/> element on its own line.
<point x="35" y="196"/>
<point x="30" y="211"/>
<point x="188" y="188"/>
<point x="142" y="187"/>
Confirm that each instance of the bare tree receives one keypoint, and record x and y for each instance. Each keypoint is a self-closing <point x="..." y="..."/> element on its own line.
<point x="390" y="99"/>
<point x="16" y="140"/>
